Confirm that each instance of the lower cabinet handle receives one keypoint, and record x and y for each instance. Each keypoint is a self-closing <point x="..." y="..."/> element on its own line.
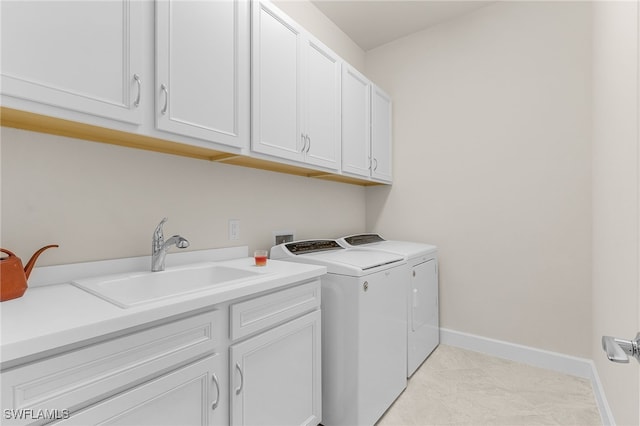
<point x="166" y="99"/>
<point x="308" y="144"/>
<point x="376" y="164"/>
<point x="239" y="389"/>
<point x="214" y="405"/>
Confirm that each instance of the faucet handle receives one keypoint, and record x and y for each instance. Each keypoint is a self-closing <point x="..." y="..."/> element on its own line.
<point x="158" y="230"/>
<point x="162" y="222"/>
<point x="158" y="237"/>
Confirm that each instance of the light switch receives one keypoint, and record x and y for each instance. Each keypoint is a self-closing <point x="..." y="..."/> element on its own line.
<point x="234" y="229"/>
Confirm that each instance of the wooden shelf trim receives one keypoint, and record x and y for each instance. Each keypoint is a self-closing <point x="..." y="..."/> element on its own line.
<point x="10" y="117"/>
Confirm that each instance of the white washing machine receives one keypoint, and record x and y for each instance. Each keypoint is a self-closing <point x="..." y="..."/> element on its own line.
<point x="364" y="322"/>
<point x="423" y="326"/>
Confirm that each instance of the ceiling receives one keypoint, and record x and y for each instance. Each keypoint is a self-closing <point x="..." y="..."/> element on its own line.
<point x="372" y="23"/>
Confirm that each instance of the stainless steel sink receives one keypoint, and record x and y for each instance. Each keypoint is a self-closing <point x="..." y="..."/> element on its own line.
<point x="127" y="290"/>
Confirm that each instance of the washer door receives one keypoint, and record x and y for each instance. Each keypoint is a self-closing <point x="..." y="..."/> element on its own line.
<point x="382" y="343"/>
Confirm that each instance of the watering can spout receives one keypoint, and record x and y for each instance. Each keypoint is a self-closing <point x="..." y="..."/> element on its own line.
<point x="13" y="278"/>
<point x="32" y="262"/>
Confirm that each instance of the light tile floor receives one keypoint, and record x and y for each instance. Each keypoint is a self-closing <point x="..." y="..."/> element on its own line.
<point x="460" y="387"/>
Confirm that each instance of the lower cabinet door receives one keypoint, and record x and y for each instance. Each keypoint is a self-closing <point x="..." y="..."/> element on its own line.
<point x="276" y="375"/>
<point x="187" y="396"/>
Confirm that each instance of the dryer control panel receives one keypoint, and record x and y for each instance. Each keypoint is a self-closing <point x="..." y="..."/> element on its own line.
<point x="357" y="240"/>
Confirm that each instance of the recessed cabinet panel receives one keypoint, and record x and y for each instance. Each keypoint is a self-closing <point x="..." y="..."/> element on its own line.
<point x="183" y="397"/>
<point x="276" y="376"/>
<point x="81" y="56"/>
<point x="266" y="311"/>
<point x="276" y="84"/>
<point x="203" y="69"/>
<point x="381" y="154"/>
<point x="356" y="119"/>
<point x="71" y="379"/>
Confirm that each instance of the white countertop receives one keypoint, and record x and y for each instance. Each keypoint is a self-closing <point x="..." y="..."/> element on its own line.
<point x="55" y="315"/>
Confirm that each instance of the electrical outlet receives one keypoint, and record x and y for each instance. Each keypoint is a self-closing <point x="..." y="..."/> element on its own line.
<point x="234" y="229"/>
<point x="282" y="237"/>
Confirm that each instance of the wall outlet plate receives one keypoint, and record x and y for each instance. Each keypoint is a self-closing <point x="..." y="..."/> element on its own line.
<point x="281" y="237"/>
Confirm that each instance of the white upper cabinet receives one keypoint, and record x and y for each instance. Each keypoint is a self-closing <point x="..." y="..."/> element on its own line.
<point x="276" y="95"/>
<point x="202" y="68"/>
<point x="356" y="122"/>
<point x="322" y="105"/>
<point x="227" y="80"/>
<point x="366" y="128"/>
<point x="295" y="91"/>
<point x="380" y="135"/>
<point x="83" y="56"/>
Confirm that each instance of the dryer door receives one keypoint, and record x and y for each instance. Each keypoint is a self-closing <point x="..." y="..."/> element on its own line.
<point x="424" y="334"/>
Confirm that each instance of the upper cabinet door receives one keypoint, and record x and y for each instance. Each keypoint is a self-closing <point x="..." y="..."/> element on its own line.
<point x="381" y="155"/>
<point x="322" y="105"/>
<point x="202" y="66"/>
<point x="276" y="86"/>
<point x="356" y="119"/>
<point x="84" y="56"/>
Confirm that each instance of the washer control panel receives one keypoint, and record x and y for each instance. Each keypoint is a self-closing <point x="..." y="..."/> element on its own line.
<point x="312" y="246"/>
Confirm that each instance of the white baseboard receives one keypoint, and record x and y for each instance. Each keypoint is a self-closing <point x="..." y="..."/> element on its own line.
<point x="567" y="364"/>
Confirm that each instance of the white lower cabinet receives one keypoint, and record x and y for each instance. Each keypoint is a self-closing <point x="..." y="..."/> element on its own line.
<point x="251" y="361"/>
<point x="275" y="372"/>
<point x="112" y="373"/>
<point x="275" y="376"/>
<point x="187" y="396"/>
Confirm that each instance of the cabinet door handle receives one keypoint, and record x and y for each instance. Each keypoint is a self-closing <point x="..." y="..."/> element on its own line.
<point x="164" y="88"/>
<point x="304" y="141"/>
<point x="214" y="405"/>
<point x="136" y="77"/>
<point x="308" y="144"/>
<point x="375" y="161"/>
<point x="239" y="389"/>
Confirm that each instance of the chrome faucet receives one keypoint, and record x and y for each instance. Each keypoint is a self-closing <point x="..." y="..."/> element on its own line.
<point x="159" y="247"/>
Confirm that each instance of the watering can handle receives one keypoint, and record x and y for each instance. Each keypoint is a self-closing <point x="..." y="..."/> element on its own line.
<point x="10" y="253"/>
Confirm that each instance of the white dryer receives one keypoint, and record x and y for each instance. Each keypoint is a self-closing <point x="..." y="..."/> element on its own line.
<point x="364" y="322"/>
<point x="423" y="326"/>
